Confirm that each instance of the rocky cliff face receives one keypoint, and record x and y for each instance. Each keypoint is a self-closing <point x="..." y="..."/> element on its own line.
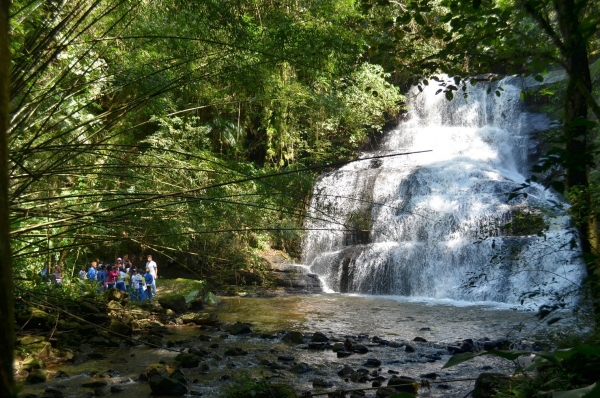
<point x="281" y="277"/>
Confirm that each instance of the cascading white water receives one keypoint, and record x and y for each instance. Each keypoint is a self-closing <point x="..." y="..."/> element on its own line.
<point x="434" y="224"/>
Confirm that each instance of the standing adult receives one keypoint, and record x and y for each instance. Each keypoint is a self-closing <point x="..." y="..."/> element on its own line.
<point x="153" y="268"/>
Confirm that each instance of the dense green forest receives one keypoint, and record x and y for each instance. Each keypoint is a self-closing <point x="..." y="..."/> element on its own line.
<point x="194" y="129"/>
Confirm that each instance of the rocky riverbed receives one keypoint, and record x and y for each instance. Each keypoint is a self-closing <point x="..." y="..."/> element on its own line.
<point x="317" y="344"/>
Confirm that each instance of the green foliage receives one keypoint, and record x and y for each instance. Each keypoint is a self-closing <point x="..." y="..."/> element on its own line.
<point x="526" y="222"/>
<point x="249" y="388"/>
<point x="153" y="125"/>
<point x="573" y="369"/>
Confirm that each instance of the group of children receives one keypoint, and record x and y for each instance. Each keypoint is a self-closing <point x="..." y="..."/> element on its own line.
<point x="51" y="277"/>
<point x="123" y="276"/>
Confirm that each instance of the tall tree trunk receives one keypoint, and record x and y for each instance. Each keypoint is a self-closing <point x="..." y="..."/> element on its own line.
<point x="6" y="287"/>
<point x="576" y="134"/>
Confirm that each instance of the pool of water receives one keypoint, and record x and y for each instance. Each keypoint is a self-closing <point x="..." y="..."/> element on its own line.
<point x="336" y="315"/>
<point x="383" y="316"/>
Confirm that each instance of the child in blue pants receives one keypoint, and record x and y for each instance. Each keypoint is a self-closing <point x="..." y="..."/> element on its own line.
<point x="149" y="280"/>
<point x="137" y="281"/>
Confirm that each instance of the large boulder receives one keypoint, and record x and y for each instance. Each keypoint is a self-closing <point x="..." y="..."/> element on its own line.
<point x="178" y="376"/>
<point x="319" y="337"/>
<point x="176" y="303"/>
<point x="196" y="304"/>
<point x="293" y="338"/>
<point x="294" y="279"/>
<point x="346" y="371"/>
<point x="187" y="360"/>
<point x="161" y="385"/>
<point x="239" y="328"/>
<point x="34" y="318"/>
<point x="404" y="384"/>
<point x="120" y="328"/>
<point x="360" y="375"/>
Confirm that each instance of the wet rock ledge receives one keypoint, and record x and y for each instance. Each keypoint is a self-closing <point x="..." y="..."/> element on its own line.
<point x="279" y="278"/>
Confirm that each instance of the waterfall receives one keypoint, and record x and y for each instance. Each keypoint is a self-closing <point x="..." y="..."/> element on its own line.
<point x="439" y="224"/>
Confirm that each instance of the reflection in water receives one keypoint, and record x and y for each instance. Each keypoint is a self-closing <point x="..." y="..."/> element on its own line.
<point x="383" y="316"/>
<point x="337" y="315"/>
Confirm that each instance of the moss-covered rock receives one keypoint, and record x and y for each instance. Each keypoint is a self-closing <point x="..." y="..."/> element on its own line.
<point x="27" y="340"/>
<point x="33" y="318"/>
<point x="156" y="369"/>
<point x="37" y="376"/>
<point x="199" y="319"/>
<point x="116" y="295"/>
<point x="32" y="363"/>
<point x="187" y="360"/>
<point x="176" y="303"/>
<point x="42" y="349"/>
<point x="69" y="325"/>
<point x="120" y="328"/>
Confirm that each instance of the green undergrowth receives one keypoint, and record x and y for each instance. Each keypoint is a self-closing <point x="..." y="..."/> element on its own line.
<point x="572" y="370"/>
<point x="245" y="387"/>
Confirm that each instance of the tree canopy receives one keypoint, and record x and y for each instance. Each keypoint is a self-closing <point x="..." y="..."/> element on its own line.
<point x="194" y="127"/>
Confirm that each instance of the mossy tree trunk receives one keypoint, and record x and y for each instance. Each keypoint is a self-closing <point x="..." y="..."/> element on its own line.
<point x="576" y="133"/>
<point x="6" y="287"/>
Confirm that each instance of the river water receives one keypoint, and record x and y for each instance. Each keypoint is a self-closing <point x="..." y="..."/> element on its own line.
<point x="396" y="319"/>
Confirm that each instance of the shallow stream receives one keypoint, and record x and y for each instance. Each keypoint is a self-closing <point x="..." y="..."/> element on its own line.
<point x="336" y="315"/>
